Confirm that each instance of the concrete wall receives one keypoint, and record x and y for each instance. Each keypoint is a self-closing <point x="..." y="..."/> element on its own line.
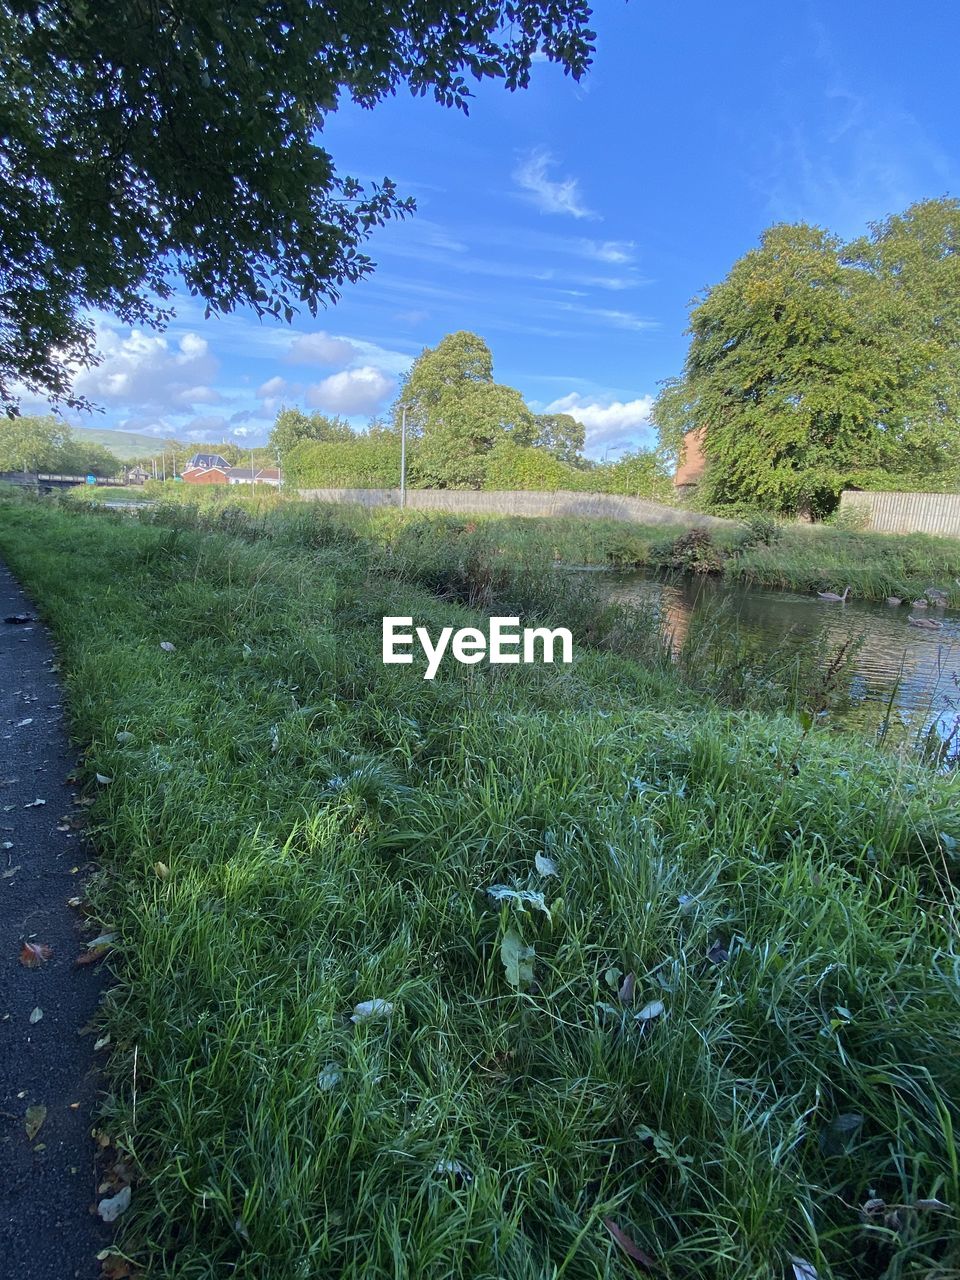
<point x="590" y="506"/>
<point x="906" y="512"/>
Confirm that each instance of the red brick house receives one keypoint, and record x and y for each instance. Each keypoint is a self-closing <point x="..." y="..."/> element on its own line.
<point x="692" y="461"/>
<point x="206" y="468"/>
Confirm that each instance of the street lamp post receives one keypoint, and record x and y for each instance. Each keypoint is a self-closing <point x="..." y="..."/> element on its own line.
<point x="403" y="458"/>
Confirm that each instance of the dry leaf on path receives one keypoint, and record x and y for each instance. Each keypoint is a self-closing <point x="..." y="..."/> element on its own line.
<point x="34" y="954"/>
<point x="33" y="1120"/>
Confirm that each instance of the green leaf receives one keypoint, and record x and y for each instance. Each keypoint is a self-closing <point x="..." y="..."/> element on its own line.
<point x="517" y="960"/>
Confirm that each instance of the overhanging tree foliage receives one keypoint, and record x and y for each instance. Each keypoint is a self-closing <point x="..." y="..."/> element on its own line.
<point x="815" y="362"/>
<point x="143" y="141"/>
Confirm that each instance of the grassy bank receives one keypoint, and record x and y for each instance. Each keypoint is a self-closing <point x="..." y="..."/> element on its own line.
<point x="758" y="552"/>
<point x="293" y="828"/>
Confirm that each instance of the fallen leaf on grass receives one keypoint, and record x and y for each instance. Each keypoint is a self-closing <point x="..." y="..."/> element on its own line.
<point x="803" y="1270"/>
<point x="639" y="1256"/>
<point x="91" y="957"/>
<point x="625" y="994"/>
<point x="651" y="1010"/>
<point x="455" y="1167"/>
<point x="161" y="869"/>
<point x="167" y="647"/>
<point x="367" y="1009"/>
<point x="329" y="1077"/>
<point x="104" y="940"/>
<point x="503" y="893"/>
<point x="34" y="954"/>
<point x="33" y="1120"/>
<point x="35" y="1016"/>
<point x="546" y="866"/>
<point x="123" y="737"/>
<point x="718" y="953"/>
<point x="111" y="1209"/>
<point x="517" y="960"/>
<point x="103" y="778"/>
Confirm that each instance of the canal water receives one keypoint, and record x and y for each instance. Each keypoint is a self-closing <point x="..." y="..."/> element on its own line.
<point x="913" y="673"/>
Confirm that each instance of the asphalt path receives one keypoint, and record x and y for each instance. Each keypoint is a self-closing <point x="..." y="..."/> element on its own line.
<point x="48" y="1184"/>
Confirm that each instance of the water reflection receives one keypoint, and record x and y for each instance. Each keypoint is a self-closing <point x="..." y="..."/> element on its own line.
<point x="911" y="671"/>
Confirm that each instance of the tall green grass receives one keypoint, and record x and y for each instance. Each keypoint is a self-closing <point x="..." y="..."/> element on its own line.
<point x="797" y="557"/>
<point x="330" y="827"/>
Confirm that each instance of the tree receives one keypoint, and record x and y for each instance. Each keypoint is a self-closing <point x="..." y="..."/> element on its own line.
<point x="815" y="360"/>
<point x="457" y="360"/>
<point x="644" y="473"/>
<point x="561" y="435"/>
<point x="462" y="429"/>
<point x="457" y="413"/>
<point x="143" y="142"/>
<point x="32" y="443"/>
<point x="78" y="458"/>
<point x="293" y="426"/>
<point x="46" y="444"/>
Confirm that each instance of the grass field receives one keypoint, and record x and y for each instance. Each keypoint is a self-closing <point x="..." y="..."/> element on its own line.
<point x="722" y="1020"/>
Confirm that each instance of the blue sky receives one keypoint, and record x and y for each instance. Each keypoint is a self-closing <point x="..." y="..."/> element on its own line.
<point x="570" y="225"/>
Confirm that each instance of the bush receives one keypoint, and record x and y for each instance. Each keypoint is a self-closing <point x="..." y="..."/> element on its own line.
<point x="367" y="462"/>
<point x="511" y="466"/>
<point x="759" y="531"/>
<point x="693" y="551"/>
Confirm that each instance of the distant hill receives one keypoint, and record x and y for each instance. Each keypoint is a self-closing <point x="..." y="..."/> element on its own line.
<point x="128" y="446"/>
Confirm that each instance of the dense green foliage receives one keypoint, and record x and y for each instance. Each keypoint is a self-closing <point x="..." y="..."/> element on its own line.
<point x="362" y="462"/>
<point x="138" y="145"/>
<point x="47" y="444"/>
<point x="740" y="1026"/>
<point x="293" y="426"/>
<point x="456" y="413"/>
<point x="513" y="466"/>
<point x="816" y="362"/>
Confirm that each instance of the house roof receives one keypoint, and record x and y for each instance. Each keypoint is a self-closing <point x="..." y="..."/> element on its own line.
<point x="206" y="461"/>
<point x="253" y="473"/>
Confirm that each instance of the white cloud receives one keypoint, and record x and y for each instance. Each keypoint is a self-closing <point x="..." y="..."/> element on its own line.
<point x="360" y="390"/>
<point x="321" y="348"/>
<point x="613" y="251"/>
<point x="550" y="195"/>
<point x="618" y="319"/>
<point x="617" y="422"/>
<point x="143" y="372"/>
<point x="199" y="395"/>
<point x="272" y="387"/>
